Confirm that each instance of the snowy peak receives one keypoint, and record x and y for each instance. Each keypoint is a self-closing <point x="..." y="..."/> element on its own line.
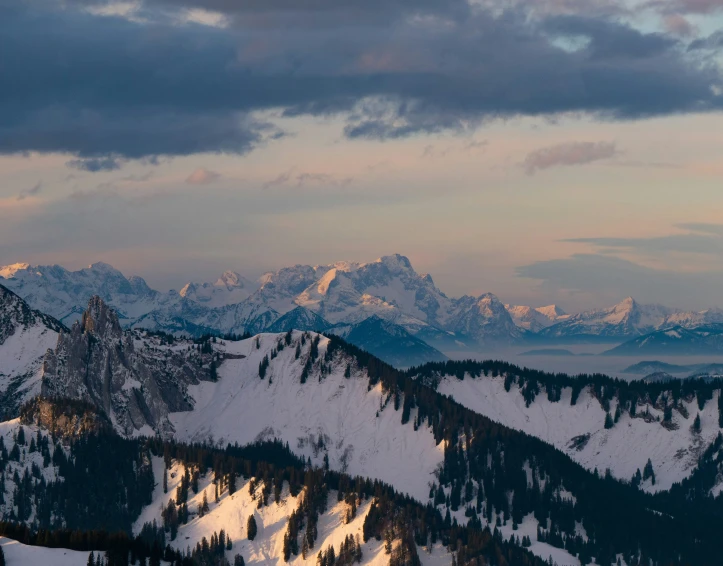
<point x="627" y="318"/>
<point x="9" y="271"/>
<point x="535" y="319"/>
<point x="229" y="289"/>
<point x="485" y="320"/>
<point x="552" y="312"/>
<point x="231" y="280"/>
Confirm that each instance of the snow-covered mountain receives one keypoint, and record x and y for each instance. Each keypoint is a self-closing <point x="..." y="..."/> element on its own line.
<point x="341" y="294"/>
<point x="344" y="293"/>
<point x="484" y="320"/>
<point x="627" y="318"/>
<point x="535" y="319"/>
<point x="64" y="294"/>
<point x="229" y="289"/>
<point x="25" y="335"/>
<point x="575" y="422"/>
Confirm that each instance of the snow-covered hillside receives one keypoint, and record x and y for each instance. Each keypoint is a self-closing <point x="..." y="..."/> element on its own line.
<point x="579" y="429"/>
<point x="329" y="414"/>
<point x="19" y="554"/>
<point x="25" y="335"/>
<point x="231" y="514"/>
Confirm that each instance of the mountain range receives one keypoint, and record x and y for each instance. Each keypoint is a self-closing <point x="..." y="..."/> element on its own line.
<point x="334" y="299"/>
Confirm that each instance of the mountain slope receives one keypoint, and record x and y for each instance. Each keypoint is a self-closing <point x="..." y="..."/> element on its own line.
<point x="25" y="336"/>
<point x="570" y="413"/>
<point x="392" y="343"/>
<point x="329" y="414"/>
<point x="299" y="319"/>
<point x="675" y="341"/>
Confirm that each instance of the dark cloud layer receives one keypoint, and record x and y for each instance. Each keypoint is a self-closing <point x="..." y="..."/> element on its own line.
<point x="105" y="86"/>
<point x="95" y="164"/>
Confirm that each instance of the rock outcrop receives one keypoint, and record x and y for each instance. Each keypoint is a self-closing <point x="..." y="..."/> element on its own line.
<point x="133" y="382"/>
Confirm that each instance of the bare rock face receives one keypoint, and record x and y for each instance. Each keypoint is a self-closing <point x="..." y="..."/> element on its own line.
<point x="134" y="385"/>
<point x="65" y="418"/>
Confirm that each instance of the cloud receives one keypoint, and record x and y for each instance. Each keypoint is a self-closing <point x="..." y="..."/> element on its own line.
<point x="307" y="178"/>
<point x="98" y="86"/>
<point x="701" y="239"/>
<point x="568" y="154"/>
<point x="322" y="179"/>
<point x="712" y="42"/>
<point x="282" y="179"/>
<point x="32" y="191"/>
<point x="703" y="228"/>
<point x="679" y="25"/>
<point x="692" y="6"/>
<point x="202" y="176"/>
<point x="96" y="164"/>
<point x="612" y="278"/>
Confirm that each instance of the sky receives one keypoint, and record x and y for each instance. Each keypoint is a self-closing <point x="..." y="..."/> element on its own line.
<point x="547" y="151"/>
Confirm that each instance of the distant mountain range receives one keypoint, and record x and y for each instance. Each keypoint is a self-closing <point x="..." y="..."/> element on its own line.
<point x="675" y="341"/>
<point x="336" y="298"/>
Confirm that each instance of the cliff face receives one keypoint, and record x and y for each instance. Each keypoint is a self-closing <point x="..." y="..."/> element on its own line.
<point x="64" y="418"/>
<point x="134" y="384"/>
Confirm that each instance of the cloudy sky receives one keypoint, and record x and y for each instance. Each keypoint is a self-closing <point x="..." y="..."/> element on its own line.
<point x="546" y="151"/>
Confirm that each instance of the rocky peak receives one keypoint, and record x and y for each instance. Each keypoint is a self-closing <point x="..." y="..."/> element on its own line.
<point x="230" y="279"/>
<point x="101" y="320"/>
<point x="136" y="384"/>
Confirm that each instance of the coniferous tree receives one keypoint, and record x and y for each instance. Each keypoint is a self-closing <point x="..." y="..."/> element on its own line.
<point x="648" y="472"/>
<point x="608" y="421"/>
<point x="251" y="528"/>
<point x="696" y="423"/>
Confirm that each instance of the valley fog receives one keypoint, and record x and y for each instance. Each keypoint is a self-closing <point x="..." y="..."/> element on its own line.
<point x="584" y="358"/>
